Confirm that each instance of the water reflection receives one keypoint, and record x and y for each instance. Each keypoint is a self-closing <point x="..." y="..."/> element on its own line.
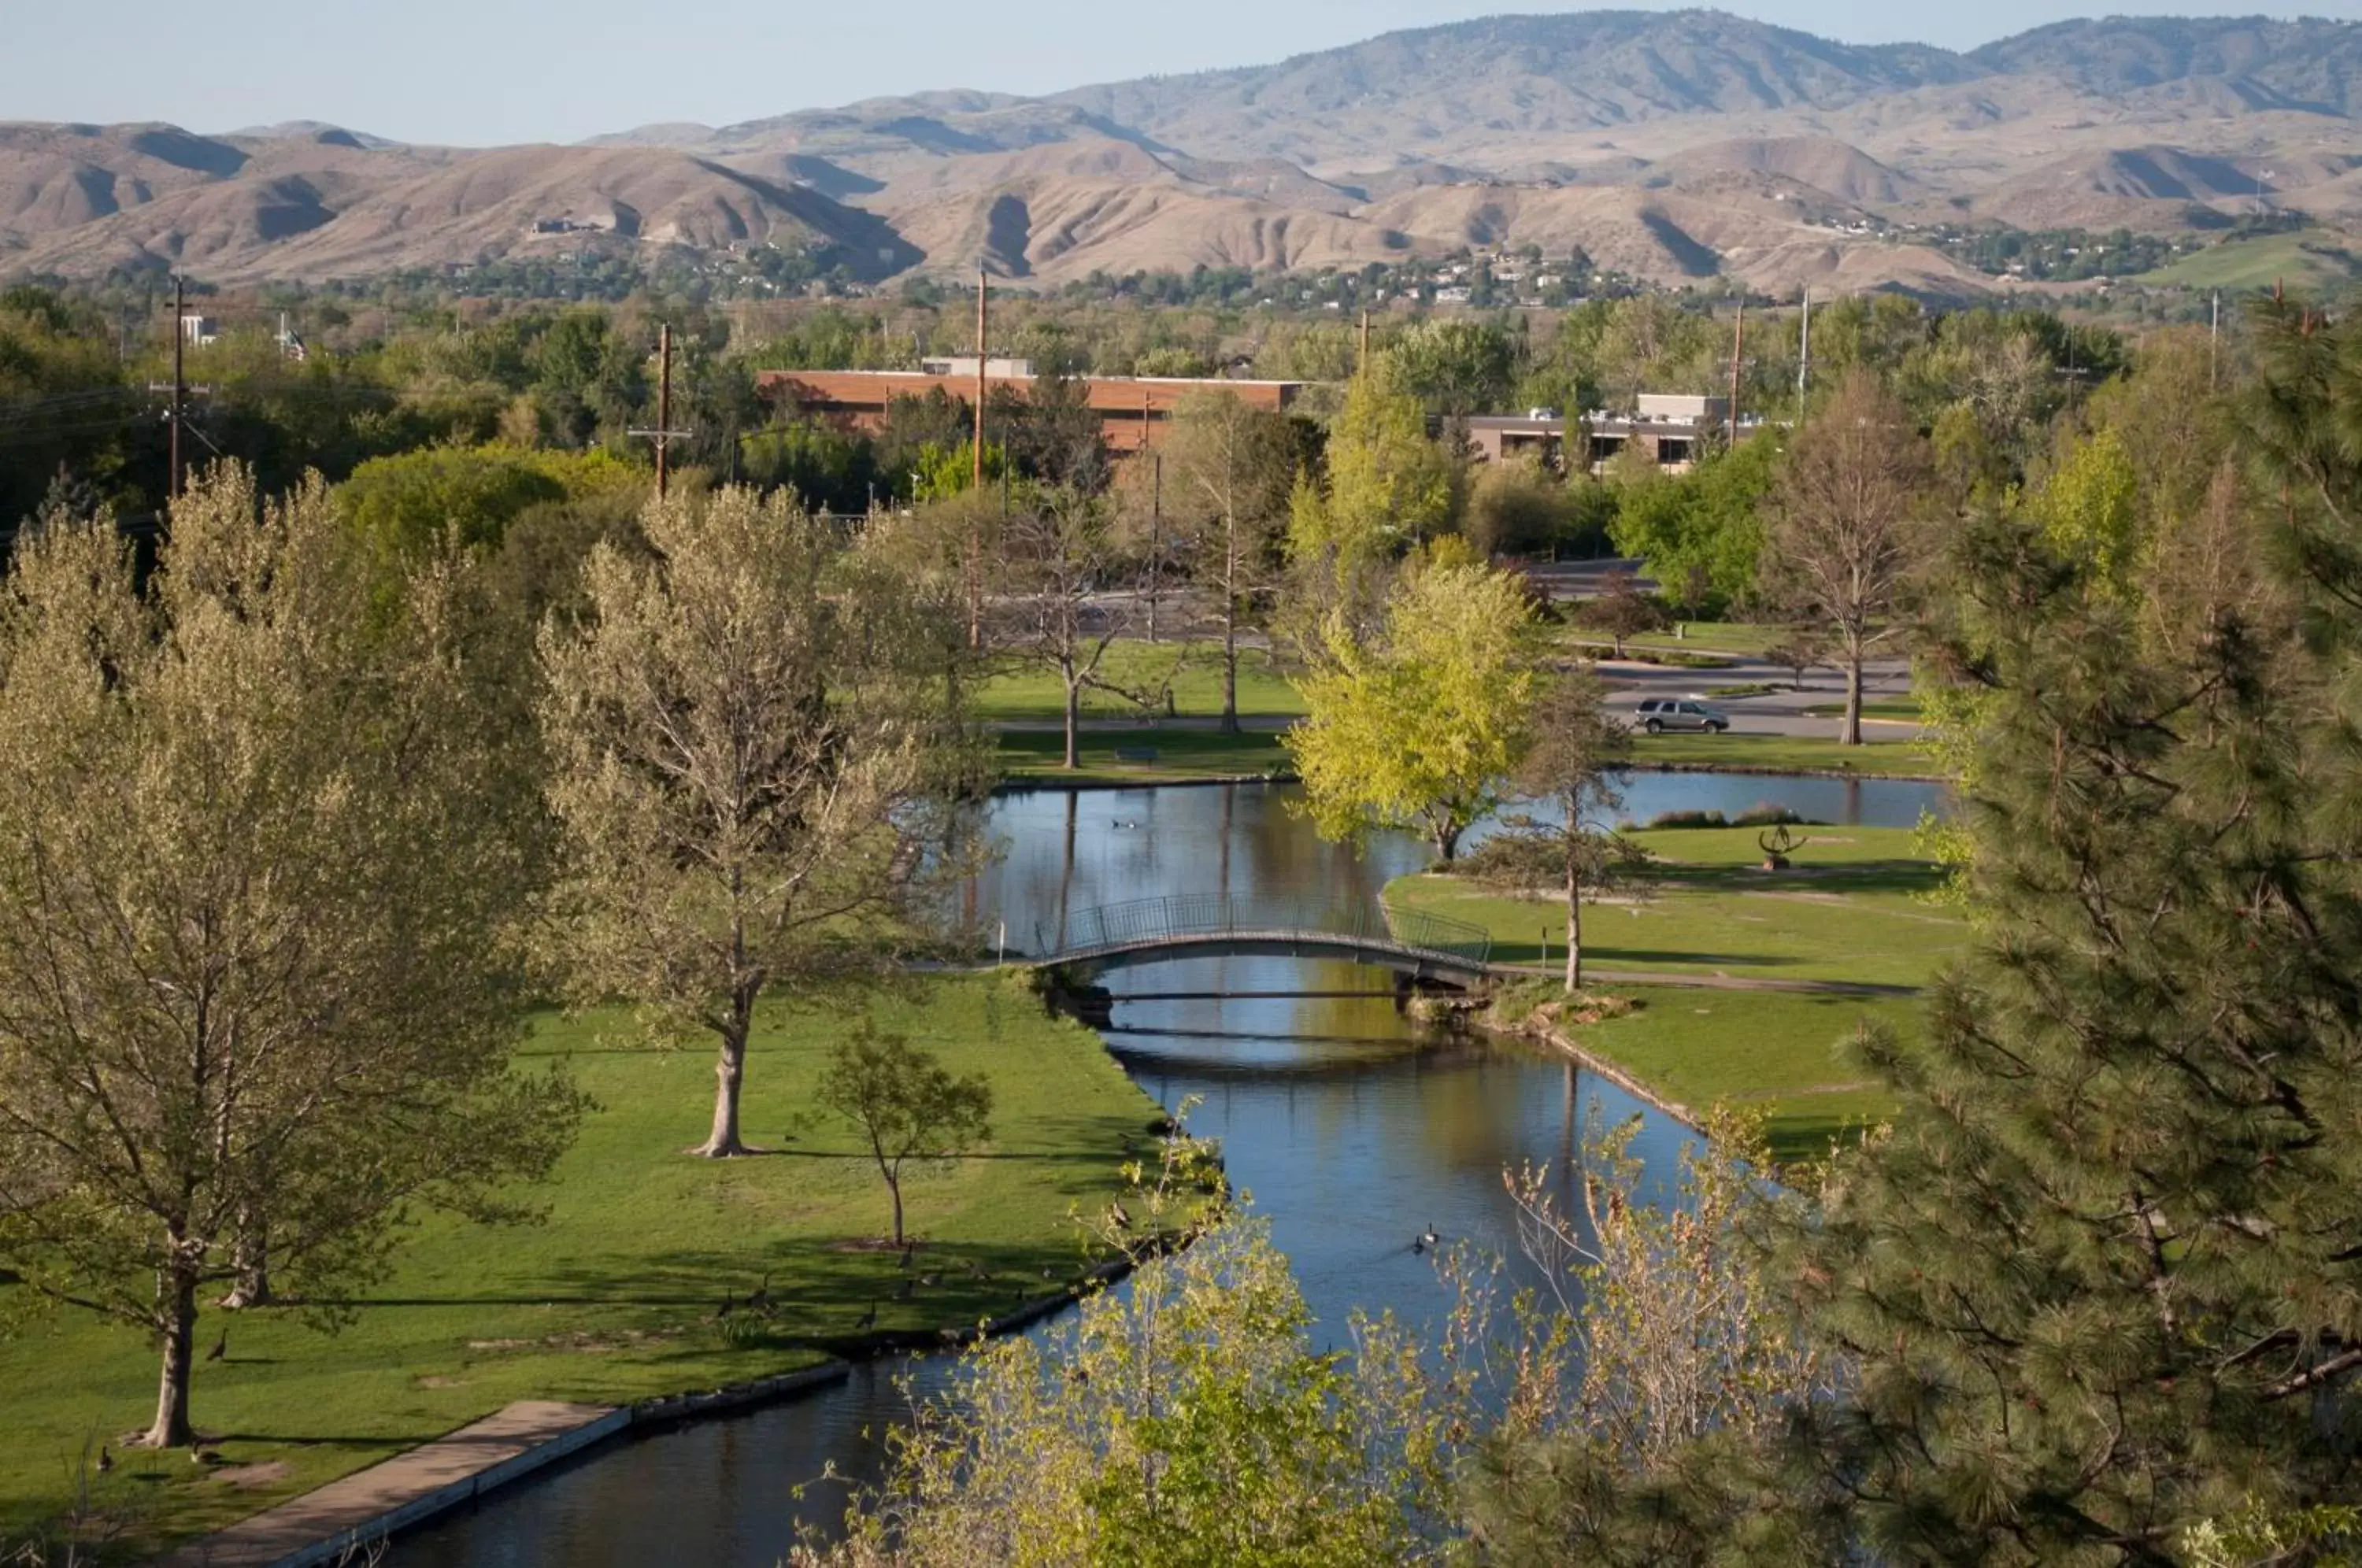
<point x="1347" y="1128"/>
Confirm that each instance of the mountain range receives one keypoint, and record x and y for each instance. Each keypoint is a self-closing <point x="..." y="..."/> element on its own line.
<point x="1670" y="145"/>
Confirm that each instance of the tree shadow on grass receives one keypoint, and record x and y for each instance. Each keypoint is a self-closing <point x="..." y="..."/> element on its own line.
<point x="1893" y="876"/>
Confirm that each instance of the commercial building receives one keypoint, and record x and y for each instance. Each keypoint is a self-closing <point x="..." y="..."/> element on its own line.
<point x="1135" y="411"/>
<point x="1669" y="428"/>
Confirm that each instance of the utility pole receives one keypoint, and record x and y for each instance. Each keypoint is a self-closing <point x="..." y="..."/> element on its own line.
<point x="973" y="567"/>
<point x="1737" y="346"/>
<point x="1156" y="514"/>
<point x="180" y="382"/>
<point x="664" y="433"/>
<point x="2213" y="339"/>
<point x="1805" y="358"/>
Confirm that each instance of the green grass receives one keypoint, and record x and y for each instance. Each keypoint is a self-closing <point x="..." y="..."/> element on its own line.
<point x="1878" y="759"/>
<point x="613" y="1297"/>
<point x="1776" y="1053"/>
<point x="1182" y="756"/>
<point x="1036" y="694"/>
<point x="1714" y="637"/>
<point x="1849" y="909"/>
<point x="2301" y="259"/>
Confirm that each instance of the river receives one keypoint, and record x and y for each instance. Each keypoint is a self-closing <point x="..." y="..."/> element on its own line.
<point x="1347" y="1128"/>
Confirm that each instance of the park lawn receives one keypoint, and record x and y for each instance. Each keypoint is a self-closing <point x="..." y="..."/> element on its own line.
<point x="1739" y="637"/>
<point x="1036" y="693"/>
<point x="1878" y="757"/>
<point x="1775" y="1052"/>
<point x="614" y="1296"/>
<point x="1792" y="928"/>
<point x="1033" y="757"/>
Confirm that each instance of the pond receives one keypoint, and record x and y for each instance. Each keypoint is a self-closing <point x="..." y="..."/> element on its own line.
<point x="1350" y="1129"/>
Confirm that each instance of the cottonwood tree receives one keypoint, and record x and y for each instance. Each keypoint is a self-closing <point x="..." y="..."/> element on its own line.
<point x="1418" y="728"/>
<point x="748" y="737"/>
<point x="1849" y="533"/>
<point x="262" y="853"/>
<point x="1576" y="767"/>
<point x="904" y="1104"/>
<point x="1387" y="487"/>
<point x="1230" y="470"/>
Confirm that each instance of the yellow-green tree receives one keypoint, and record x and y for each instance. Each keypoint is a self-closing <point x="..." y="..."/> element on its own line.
<point x="1387" y="482"/>
<point x="1418" y="726"/>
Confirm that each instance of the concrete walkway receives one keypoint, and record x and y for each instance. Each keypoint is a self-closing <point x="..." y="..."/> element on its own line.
<point x="1697" y="982"/>
<point x="343" y="1517"/>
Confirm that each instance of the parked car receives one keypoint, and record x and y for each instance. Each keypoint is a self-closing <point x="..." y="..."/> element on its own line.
<point x="1659" y="714"/>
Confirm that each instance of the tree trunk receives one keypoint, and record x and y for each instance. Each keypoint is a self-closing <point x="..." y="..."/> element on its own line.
<point x="1447" y="842"/>
<point x="1073" y="723"/>
<point x="1851" y="735"/>
<point x="253" y="1286"/>
<point x="729" y="1075"/>
<point x="1574" y="932"/>
<point x="1230" y="725"/>
<point x="178" y="1284"/>
<point x="894" y="1190"/>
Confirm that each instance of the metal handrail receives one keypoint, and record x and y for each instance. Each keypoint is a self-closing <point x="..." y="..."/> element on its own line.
<point x="1144" y="922"/>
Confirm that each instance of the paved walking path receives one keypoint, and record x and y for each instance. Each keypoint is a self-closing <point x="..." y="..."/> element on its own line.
<point x="1716" y="982"/>
<point x="343" y="1516"/>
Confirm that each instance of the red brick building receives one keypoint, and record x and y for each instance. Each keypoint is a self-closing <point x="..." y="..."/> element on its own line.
<point x="1136" y="412"/>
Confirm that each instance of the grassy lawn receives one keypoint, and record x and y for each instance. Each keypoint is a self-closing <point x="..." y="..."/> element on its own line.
<point x="1780" y="1054"/>
<point x="1714" y="637"/>
<point x="1033" y="756"/>
<point x="1877" y="758"/>
<point x="614" y="1296"/>
<point x="1196" y="670"/>
<point x="1848" y="910"/>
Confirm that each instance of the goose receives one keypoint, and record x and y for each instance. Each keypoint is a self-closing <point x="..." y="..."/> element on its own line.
<point x="761" y="1299"/>
<point x="869" y="1320"/>
<point x="1430" y="1236"/>
<point x="105" y="1460"/>
<point x="1122" y="1215"/>
<point x="221" y="1347"/>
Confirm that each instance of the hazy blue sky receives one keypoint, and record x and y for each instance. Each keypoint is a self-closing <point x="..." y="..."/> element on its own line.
<point x="477" y="71"/>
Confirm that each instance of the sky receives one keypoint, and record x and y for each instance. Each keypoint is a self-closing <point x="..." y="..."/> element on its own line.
<point x="481" y="72"/>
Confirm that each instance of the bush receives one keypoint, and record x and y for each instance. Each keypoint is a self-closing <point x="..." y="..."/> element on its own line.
<point x="1687" y="820"/>
<point x="1763" y="813"/>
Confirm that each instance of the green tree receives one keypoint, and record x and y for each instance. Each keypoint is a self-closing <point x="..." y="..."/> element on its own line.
<point x="2089" y="510"/>
<point x="263" y="865"/>
<point x="1454" y="366"/>
<point x="1706" y="525"/>
<point x="1576" y="767"/>
<point x="904" y="1103"/>
<point x="1388" y="485"/>
<point x="1184" y="1420"/>
<point x="746" y="731"/>
<point x="1419" y="728"/>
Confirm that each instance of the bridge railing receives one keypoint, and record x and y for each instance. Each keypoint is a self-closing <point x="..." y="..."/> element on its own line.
<point x="1143" y="922"/>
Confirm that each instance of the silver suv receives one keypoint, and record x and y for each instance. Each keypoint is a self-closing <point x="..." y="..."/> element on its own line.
<point x="1659" y="714"/>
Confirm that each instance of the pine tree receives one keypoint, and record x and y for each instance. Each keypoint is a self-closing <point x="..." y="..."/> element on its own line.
<point x="2103" y="1285"/>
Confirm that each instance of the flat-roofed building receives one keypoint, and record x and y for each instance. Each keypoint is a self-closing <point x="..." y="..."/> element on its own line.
<point x="1671" y="428"/>
<point x="1136" y="412"/>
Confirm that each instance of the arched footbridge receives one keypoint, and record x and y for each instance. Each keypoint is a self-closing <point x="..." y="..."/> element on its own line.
<point x="1202" y="926"/>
